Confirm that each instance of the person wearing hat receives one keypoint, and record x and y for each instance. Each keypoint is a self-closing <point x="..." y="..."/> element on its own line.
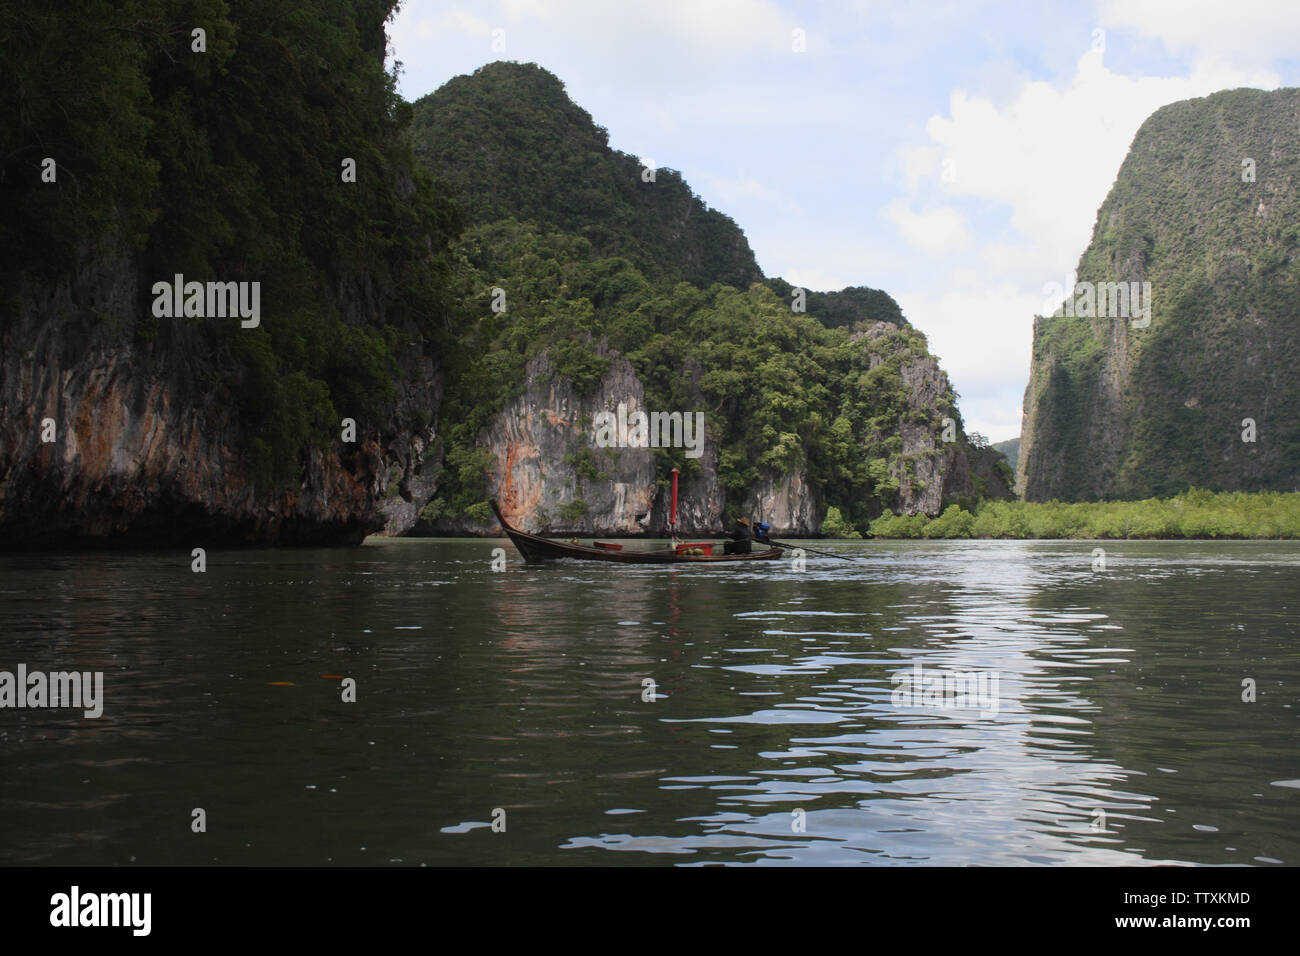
<point x="740" y="542"/>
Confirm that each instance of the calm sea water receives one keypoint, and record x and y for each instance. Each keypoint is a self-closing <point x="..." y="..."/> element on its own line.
<point x="1104" y="721"/>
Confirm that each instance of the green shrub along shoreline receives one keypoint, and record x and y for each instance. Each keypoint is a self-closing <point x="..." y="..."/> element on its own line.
<point x="1195" y="513"/>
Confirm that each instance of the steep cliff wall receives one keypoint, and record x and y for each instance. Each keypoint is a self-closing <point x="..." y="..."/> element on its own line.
<point x="1206" y="209"/>
<point x="273" y="163"/>
<point x="143" y="451"/>
<point x="929" y="469"/>
<point x="545" y="468"/>
<point x="123" y="424"/>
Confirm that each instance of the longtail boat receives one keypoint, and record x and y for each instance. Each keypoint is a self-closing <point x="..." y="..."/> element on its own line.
<point x="535" y="548"/>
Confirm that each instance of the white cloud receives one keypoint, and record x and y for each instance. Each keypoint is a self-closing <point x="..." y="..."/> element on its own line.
<point x="722" y="192"/>
<point x="982" y="333"/>
<point x="1050" y="156"/>
<point x="516" y="10"/>
<point x="933" y="231"/>
<point x="919" y="163"/>
<point x="814" y="280"/>
<point x="1243" y="33"/>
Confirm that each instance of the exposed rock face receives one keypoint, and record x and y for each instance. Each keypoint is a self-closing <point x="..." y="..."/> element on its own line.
<point x="789" y="504"/>
<point x="551" y="478"/>
<point x="1205" y="209"/>
<point x="549" y="475"/>
<point x="142" y="453"/>
<point x="412" y="461"/>
<point x="929" y="468"/>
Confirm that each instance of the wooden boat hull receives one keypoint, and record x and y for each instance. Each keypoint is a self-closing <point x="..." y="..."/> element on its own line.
<point x="534" y="549"/>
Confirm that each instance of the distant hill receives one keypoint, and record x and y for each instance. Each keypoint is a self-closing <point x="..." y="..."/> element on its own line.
<point x="1206" y="208"/>
<point x="1010" y="450"/>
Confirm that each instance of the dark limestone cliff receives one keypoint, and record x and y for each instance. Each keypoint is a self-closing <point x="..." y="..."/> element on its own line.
<point x="1206" y="208"/>
<point x="266" y="155"/>
<point x="145" y="452"/>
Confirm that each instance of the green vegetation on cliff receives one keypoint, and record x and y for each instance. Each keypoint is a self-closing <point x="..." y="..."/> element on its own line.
<point x="1206" y="207"/>
<point x="781" y="391"/>
<point x="226" y="158"/>
<point x="512" y="145"/>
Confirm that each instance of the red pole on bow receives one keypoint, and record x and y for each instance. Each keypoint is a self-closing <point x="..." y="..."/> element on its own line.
<point x="672" y="510"/>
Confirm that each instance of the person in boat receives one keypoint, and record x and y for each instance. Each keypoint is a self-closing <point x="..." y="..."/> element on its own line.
<point x="740" y="542"/>
<point x="761" y="531"/>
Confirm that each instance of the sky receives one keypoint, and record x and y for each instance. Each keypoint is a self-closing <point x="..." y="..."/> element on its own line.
<point x="950" y="152"/>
